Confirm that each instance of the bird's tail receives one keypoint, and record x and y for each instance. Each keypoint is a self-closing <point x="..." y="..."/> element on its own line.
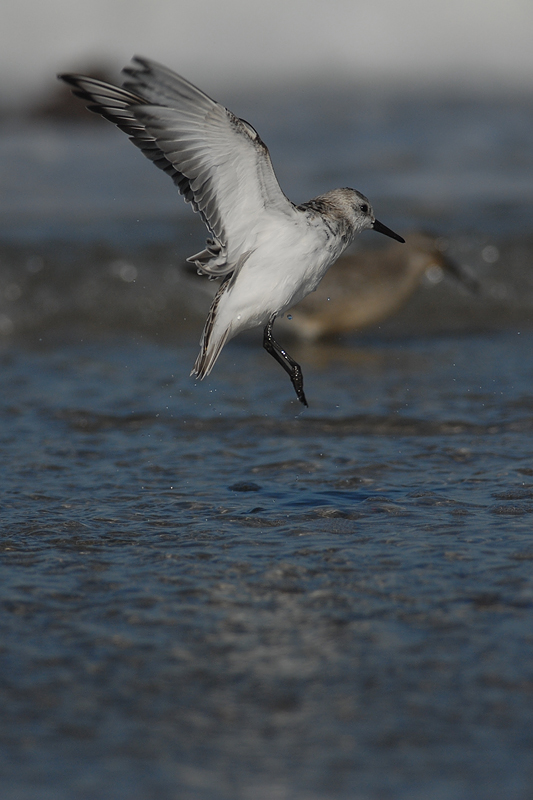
<point x="207" y="356"/>
<point x="210" y="343"/>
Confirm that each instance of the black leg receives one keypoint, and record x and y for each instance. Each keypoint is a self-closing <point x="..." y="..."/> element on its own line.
<point x="282" y="357"/>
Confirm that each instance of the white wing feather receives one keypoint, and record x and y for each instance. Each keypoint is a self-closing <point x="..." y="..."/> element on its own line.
<point x="217" y="160"/>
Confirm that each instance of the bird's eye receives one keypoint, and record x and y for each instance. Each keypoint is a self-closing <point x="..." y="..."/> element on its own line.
<point x="364" y="208"/>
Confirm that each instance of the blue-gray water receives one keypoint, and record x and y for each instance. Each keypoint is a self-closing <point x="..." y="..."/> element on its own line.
<point x="209" y="593"/>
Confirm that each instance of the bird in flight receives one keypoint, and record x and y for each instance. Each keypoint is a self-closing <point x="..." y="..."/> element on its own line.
<point x="269" y="252"/>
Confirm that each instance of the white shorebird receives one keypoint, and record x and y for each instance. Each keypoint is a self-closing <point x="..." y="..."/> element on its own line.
<point x="269" y="252"/>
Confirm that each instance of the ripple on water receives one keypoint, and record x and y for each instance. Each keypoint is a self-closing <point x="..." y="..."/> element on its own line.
<point x="197" y="599"/>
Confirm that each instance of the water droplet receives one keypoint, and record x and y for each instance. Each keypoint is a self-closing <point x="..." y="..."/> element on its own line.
<point x="490" y="254"/>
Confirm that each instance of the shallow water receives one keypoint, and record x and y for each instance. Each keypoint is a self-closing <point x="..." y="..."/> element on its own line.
<point x="208" y="592"/>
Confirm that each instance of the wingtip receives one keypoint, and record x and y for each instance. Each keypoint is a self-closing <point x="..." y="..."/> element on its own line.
<point x="142" y="60"/>
<point x="67" y="77"/>
<point x="142" y="64"/>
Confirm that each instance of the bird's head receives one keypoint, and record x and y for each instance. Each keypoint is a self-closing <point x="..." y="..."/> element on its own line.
<point x="363" y="217"/>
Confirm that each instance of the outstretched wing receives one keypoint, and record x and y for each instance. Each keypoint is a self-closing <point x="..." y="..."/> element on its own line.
<point x="217" y="161"/>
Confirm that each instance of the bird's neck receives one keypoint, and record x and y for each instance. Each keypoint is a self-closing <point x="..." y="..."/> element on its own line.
<point x="321" y="209"/>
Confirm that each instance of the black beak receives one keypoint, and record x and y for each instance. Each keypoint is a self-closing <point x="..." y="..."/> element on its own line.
<point x="380" y="228"/>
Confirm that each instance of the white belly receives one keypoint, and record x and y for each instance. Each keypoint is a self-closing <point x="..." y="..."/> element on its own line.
<point x="281" y="270"/>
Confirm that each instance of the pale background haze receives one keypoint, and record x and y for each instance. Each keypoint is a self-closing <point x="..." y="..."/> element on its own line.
<point x="475" y="43"/>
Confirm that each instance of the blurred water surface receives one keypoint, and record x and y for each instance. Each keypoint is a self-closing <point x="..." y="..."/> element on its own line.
<point x="210" y="593"/>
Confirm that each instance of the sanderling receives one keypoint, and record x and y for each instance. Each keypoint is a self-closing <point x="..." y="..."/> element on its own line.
<point x="366" y="287"/>
<point x="269" y="252"/>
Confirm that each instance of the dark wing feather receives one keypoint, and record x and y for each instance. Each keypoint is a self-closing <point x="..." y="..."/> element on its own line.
<point x="116" y="105"/>
<point x="217" y="160"/>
